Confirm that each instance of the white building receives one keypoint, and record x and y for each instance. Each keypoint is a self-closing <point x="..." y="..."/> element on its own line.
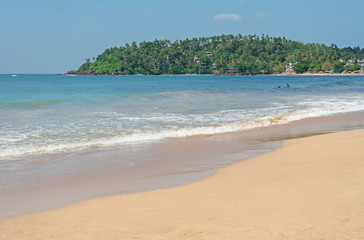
<point x="209" y="54"/>
<point x="361" y="63"/>
<point x="350" y="63"/>
<point x="289" y="67"/>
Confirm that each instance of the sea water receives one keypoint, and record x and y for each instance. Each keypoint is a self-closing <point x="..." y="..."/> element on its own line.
<point x="52" y="113"/>
<point x="61" y="134"/>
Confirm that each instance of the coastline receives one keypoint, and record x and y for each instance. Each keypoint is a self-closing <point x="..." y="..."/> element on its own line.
<point x="127" y="121"/>
<point x="310" y="188"/>
<point x="224" y="74"/>
<point x="166" y="164"/>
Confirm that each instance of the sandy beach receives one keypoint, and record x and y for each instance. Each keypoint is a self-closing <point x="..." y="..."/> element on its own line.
<point x="312" y="188"/>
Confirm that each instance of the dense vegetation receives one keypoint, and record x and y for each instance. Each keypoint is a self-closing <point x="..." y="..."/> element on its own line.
<point x="226" y="54"/>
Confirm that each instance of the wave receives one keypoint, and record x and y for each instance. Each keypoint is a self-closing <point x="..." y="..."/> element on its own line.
<point x="156" y="96"/>
<point x="185" y="93"/>
<point x="157" y="135"/>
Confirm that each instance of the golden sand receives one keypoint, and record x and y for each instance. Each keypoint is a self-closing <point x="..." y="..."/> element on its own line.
<point x="312" y="188"/>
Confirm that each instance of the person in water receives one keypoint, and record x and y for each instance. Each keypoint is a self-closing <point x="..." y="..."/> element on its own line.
<point x="288" y="85"/>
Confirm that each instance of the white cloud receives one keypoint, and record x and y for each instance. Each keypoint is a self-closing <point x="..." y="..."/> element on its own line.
<point x="228" y="16"/>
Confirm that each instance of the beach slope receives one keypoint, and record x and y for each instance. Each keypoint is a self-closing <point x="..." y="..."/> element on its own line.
<point x="312" y="188"/>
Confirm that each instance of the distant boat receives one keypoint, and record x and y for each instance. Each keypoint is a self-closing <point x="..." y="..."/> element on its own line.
<point x="13" y="75"/>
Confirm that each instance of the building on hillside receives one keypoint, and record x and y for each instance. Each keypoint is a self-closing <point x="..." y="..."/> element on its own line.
<point x="289" y="68"/>
<point x="196" y="60"/>
<point x="209" y="54"/>
<point x="350" y="63"/>
<point x="361" y="63"/>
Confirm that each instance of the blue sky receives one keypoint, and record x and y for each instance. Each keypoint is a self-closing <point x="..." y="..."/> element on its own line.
<point x="54" y="36"/>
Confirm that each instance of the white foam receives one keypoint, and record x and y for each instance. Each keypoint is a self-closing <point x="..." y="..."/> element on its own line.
<point x="117" y="128"/>
<point x="317" y="110"/>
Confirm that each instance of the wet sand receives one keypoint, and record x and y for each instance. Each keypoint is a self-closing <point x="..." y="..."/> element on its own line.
<point x="101" y="172"/>
<point x="312" y="188"/>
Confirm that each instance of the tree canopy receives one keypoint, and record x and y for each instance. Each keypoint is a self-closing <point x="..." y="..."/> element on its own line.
<point x="223" y="54"/>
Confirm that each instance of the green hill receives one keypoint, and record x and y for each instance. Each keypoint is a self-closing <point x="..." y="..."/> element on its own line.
<point x="225" y="54"/>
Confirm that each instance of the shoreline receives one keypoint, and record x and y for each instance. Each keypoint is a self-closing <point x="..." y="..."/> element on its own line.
<point x="310" y="188"/>
<point x="223" y="74"/>
<point x="360" y="73"/>
<point x="167" y="164"/>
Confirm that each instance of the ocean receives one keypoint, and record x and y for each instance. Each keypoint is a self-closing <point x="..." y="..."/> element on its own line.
<point x="56" y="125"/>
<point x="51" y="113"/>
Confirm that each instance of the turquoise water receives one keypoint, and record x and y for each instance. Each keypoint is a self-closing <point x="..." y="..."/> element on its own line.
<point x="65" y="139"/>
<point x="52" y="113"/>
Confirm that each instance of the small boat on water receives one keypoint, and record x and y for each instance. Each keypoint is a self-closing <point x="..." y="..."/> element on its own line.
<point x="13" y="75"/>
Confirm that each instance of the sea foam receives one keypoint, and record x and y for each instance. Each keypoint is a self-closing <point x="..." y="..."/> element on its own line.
<point x="50" y="114"/>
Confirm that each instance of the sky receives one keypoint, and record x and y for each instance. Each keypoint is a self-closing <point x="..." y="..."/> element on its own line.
<point x="54" y="36"/>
